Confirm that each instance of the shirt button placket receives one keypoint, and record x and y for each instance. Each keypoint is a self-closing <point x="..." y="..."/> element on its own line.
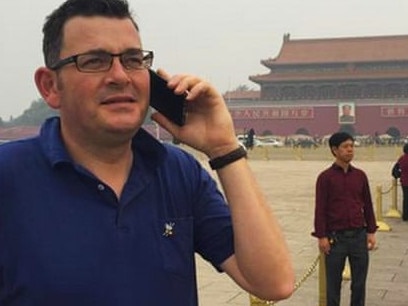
<point x="122" y="228"/>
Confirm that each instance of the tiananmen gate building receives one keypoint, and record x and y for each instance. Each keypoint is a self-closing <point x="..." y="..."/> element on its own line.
<point x="320" y="86"/>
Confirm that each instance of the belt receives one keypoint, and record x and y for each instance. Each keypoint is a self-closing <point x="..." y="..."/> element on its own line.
<point x="349" y="232"/>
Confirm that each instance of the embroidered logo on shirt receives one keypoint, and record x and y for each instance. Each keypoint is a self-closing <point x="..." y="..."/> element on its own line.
<point x="168" y="229"/>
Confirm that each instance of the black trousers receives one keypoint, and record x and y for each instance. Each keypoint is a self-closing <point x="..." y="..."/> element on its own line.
<point x="405" y="203"/>
<point x="351" y="244"/>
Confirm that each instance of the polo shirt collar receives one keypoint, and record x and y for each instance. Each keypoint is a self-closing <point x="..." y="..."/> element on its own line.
<point x="144" y="144"/>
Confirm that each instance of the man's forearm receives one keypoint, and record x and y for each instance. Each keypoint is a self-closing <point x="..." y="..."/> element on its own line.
<point x="260" y="248"/>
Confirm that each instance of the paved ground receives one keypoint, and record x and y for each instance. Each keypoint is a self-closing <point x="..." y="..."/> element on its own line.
<point x="289" y="186"/>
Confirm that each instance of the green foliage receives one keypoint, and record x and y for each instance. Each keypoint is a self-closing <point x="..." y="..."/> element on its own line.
<point x="348" y="128"/>
<point x="35" y="115"/>
<point x="394" y="132"/>
<point x="242" y="87"/>
<point x="302" y="131"/>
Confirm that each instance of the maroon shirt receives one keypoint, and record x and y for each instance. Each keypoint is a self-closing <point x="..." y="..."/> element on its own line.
<point x="403" y="163"/>
<point x="343" y="201"/>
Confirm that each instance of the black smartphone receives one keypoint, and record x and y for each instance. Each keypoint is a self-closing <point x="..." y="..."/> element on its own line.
<point x="165" y="101"/>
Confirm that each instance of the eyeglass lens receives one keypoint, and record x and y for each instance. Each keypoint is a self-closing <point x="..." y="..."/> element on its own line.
<point x="102" y="61"/>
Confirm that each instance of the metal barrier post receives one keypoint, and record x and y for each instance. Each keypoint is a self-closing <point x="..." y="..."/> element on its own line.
<point x="254" y="301"/>
<point x="372" y="153"/>
<point x="266" y="153"/>
<point x="346" y="271"/>
<point x="382" y="226"/>
<point x="322" y="280"/>
<point x="393" y="212"/>
<point x="298" y="152"/>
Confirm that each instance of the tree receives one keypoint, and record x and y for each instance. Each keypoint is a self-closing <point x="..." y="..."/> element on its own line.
<point x="242" y="87"/>
<point x="34" y="115"/>
<point x="347" y="128"/>
<point x="302" y="131"/>
<point x="394" y="132"/>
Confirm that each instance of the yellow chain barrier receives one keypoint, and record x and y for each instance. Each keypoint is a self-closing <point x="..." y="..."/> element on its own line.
<point x="258" y="302"/>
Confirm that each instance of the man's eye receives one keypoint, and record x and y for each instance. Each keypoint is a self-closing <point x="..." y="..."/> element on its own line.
<point x="134" y="60"/>
<point x="91" y="61"/>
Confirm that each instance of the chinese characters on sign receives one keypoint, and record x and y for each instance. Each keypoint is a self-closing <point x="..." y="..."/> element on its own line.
<point x="300" y="112"/>
<point x="394" y="111"/>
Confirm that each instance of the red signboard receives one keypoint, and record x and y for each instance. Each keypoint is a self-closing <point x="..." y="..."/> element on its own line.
<point x="301" y="112"/>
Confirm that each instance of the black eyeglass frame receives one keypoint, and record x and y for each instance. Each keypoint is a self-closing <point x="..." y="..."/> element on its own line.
<point x="147" y="60"/>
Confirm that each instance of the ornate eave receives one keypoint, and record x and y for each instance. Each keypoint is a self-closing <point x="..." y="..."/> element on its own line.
<point x="340" y="50"/>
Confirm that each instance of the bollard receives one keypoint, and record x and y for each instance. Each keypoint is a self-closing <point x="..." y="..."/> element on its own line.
<point x="254" y="301"/>
<point x="393" y="212"/>
<point x="322" y="280"/>
<point x="298" y="152"/>
<point x="382" y="226"/>
<point x="371" y="153"/>
<point x="346" y="272"/>
<point x="266" y="153"/>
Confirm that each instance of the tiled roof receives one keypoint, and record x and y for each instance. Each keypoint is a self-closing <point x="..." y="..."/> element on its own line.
<point x="340" y="50"/>
<point x="339" y="75"/>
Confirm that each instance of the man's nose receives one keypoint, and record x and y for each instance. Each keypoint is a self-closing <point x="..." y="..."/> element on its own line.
<point x="118" y="71"/>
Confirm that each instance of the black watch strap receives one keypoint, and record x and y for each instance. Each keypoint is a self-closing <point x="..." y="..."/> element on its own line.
<point x="222" y="161"/>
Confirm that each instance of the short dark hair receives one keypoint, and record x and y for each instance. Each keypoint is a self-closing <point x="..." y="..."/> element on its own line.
<point x="337" y="138"/>
<point x="54" y="24"/>
<point x="405" y="148"/>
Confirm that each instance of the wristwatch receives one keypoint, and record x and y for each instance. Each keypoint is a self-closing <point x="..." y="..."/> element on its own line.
<point x="224" y="160"/>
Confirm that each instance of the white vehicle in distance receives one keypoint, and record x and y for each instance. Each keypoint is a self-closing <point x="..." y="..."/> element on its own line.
<point x="242" y="140"/>
<point x="261" y="142"/>
<point x="272" y="142"/>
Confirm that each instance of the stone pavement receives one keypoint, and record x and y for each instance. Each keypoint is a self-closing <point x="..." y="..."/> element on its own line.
<point x="289" y="187"/>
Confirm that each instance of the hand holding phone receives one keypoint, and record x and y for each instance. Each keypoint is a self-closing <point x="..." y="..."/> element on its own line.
<point x="165" y="101"/>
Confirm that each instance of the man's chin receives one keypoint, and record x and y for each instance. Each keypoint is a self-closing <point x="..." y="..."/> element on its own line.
<point x="348" y="159"/>
<point x="122" y="128"/>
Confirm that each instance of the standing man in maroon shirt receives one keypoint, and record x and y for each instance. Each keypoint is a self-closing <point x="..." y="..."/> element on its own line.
<point x="344" y="221"/>
<point x="402" y="164"/>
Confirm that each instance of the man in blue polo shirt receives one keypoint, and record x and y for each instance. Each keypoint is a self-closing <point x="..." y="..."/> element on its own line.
<point x="95" y="211"/>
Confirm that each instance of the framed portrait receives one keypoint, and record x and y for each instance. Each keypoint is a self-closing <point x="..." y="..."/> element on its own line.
<point x="346" y="113"/>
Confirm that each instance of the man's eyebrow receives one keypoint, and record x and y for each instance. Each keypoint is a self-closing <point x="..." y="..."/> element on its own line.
<point x="100" y="50"/>
<point x="91" y="51"/>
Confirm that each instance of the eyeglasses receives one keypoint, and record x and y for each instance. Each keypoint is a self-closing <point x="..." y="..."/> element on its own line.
<point x="100" y="61"/>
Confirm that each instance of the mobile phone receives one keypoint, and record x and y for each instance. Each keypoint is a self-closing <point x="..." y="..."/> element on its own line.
<point x="165" y="101"/>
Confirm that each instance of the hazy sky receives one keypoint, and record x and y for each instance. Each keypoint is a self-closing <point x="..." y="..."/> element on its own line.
<point x="220" y="40"/>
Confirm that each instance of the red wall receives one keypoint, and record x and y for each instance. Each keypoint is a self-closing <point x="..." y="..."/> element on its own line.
<point x="324" y="120"/>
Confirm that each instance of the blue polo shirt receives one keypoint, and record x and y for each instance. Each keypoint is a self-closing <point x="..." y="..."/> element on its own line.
<point x="66" y="239"/>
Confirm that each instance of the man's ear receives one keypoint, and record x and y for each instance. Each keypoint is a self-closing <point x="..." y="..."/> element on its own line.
<point x="46" y="82"/>
<point x="333" y="149"/>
